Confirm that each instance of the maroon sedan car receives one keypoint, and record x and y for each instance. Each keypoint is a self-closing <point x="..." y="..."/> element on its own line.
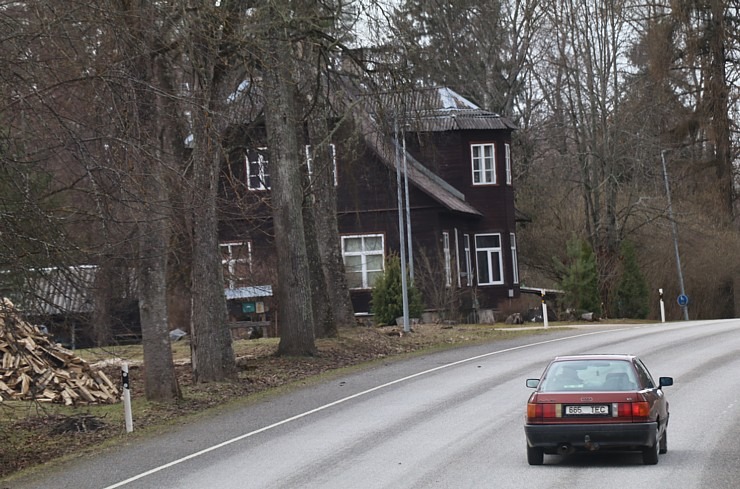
<point x="592" y="402"/>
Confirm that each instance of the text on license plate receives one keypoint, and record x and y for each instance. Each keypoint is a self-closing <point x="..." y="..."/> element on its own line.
<point x="587" y="410"/>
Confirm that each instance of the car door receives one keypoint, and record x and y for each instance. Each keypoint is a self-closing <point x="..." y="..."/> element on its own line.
<point x="653" y="393"/>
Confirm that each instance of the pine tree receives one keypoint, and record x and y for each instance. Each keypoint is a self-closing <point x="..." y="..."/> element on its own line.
<point x="631" y="299"/>
<point x="387" y="302"/>
<point x="580" y="278"/>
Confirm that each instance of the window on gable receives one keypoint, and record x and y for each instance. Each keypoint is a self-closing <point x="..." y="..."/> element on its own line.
<point x="364" y="258"/>
<point x="332" y="154"/>
<point x="508" y="164"/>
<point x="489" y="259"/>
<point x="258" y="176"/>
<point x="483" y="158"/>
<point x="514" y="258"/>
<point x="236" y="260"/>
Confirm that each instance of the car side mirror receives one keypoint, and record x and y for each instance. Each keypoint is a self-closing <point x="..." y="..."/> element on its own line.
<point x="665" y="381"/>
<point x="533" y="383"/>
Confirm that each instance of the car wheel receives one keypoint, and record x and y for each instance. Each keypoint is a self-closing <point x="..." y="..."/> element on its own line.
<point x="535" y="455"/>
<point x="650" y="454"/>
<point x="664" y="442"/>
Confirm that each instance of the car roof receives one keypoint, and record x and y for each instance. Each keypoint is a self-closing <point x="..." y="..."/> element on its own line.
<point x="609" y="356"/>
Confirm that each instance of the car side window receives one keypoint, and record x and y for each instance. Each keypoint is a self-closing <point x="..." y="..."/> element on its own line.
<point x="645" y="378"/>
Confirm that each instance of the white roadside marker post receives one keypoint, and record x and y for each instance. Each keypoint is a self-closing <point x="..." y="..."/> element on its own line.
<point x="126" y="398"/>
<point x="544" y="308"/>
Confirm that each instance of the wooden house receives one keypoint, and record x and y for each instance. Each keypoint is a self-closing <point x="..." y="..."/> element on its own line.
<point x="455" y="161"/>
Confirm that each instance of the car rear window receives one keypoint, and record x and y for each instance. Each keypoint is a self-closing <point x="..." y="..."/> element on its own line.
<point x="589" y="375"/>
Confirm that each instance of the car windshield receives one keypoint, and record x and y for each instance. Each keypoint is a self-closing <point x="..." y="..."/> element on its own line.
<point x="589" y="375"/>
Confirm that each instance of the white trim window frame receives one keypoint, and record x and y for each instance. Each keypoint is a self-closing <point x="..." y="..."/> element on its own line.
<point x="483" y="163"/>
<point x="489" y="259"/>
<point x="234" y="255"/>
<point x="447" y="258"/>
<point x="514" y="258"/>
<point x="332" y="152"/>
<point x="457" y="259"/>
<point x="468" y="260"/>
<point x="258" y="176"/>
<point x="364" y="259"/>
<point x="509" y="177"/>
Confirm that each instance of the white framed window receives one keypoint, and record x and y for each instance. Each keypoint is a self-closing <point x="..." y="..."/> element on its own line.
<point x="514" y="258"/>
<point x="457" y="259"/>
<point x="364" y="259"/>
<point x="236" y="260"/>
<point x="508" y="164"/>
<point x="483" y="159"/>
<point x="489" y="259"/>
<point x="258" y="176"/>
<point x="333" y="155"/>
<point x="468" y="260"/>
<point x="447" y="258"/>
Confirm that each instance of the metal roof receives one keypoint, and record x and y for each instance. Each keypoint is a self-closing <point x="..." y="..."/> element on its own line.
<point x="249" y="292"/>
<point x="430" y="183"/>
<point x="56" y="290"/>
<point x="442" y="109"/>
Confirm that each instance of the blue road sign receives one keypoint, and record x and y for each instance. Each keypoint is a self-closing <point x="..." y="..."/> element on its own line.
<point x="683" y="300"/>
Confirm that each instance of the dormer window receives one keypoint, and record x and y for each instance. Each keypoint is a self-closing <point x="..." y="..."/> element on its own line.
<point x="258" y="177"/>
<point x="483" y="159"/>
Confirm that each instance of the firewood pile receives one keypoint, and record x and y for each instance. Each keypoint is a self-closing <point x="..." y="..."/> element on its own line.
<point x="33" y="367"/>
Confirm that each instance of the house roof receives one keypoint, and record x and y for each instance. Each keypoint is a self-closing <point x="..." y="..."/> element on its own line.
<point x="442" y="109"/>
<point x="426" y="110"/>
<point x="391" y="154"/>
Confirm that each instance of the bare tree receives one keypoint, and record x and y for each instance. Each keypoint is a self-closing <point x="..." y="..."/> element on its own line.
<point x="297" y="333"/>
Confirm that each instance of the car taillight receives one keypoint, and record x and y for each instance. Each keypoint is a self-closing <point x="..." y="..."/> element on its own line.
<point x="539" y="411"/>
<point x="638" y="411"/>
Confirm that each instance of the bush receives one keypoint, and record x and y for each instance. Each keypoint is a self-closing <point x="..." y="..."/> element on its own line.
<point x="387" y="301"/>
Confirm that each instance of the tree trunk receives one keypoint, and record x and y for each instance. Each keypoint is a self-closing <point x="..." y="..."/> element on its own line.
<point x="157" y="136"/>
<point x="159" y="370"/>
<point x="211" y="349"/>
<point x="323" y="320"/>
<point x="211" y="32"/>
<point x="294" y="281"/>
<point x="327" y="227"/>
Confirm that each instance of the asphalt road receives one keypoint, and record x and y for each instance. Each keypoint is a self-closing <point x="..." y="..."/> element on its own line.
<point x="448" y="420"/>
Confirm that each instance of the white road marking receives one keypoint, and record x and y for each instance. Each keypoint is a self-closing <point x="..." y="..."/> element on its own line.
<point x="343" y="400"/>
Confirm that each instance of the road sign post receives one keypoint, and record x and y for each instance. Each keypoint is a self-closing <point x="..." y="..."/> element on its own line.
<point x="683" y="301"/>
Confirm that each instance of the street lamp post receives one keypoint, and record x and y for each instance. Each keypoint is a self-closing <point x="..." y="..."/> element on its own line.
<point x="685" y="306"/>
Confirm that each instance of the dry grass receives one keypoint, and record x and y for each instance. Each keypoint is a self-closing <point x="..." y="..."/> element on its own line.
<point x="31" y="433"/>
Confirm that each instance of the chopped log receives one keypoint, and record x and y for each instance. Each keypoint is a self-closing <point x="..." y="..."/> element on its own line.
<point x="32" y="367"/>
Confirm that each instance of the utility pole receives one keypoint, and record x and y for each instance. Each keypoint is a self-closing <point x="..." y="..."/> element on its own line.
<point x="684" y="302"/>
<point x="401" y="233"/>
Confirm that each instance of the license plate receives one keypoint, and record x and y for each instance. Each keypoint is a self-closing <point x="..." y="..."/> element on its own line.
<point x="587" y="410"/>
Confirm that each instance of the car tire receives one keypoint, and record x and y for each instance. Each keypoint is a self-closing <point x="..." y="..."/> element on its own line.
<point x="664" y="442"/>
<point x="535" y="455"/>
<point x="650" y="454"/>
